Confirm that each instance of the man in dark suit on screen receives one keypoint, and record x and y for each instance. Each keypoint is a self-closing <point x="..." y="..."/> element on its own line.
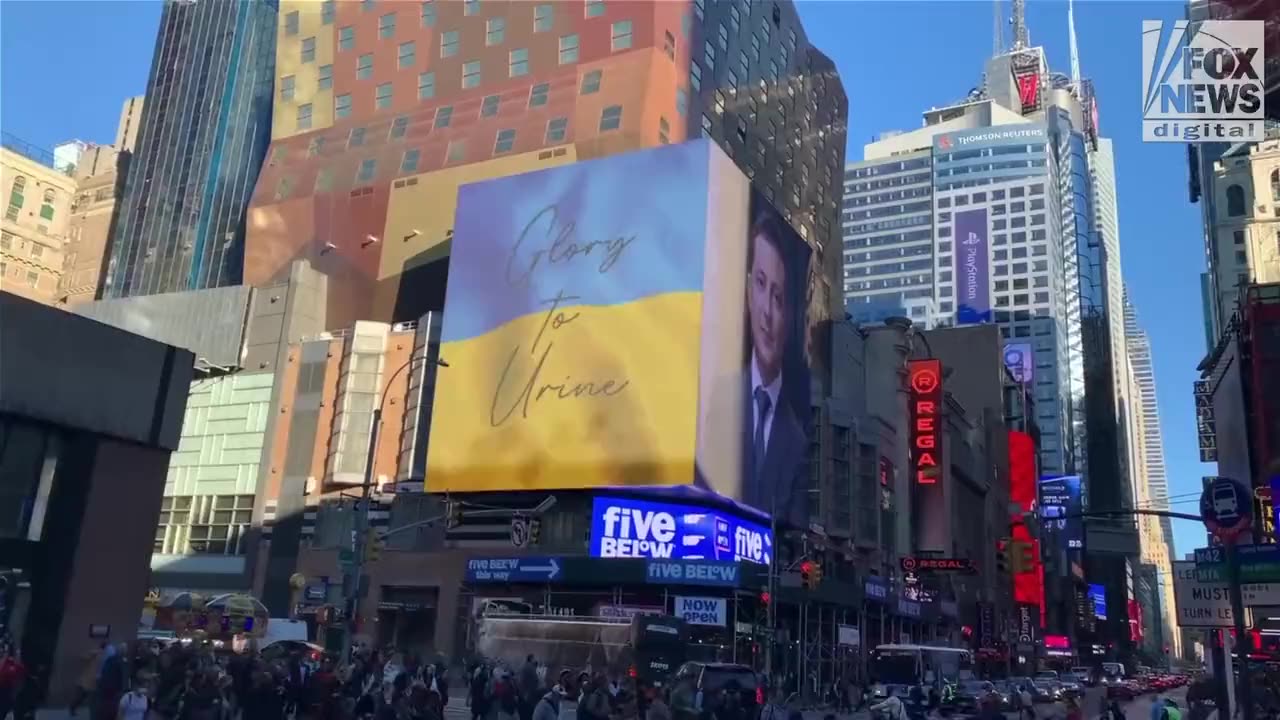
<point x="774" y="444"/>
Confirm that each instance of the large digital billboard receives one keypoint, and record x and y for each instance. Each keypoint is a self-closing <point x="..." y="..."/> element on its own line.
<point x="972" y="267"/>
<point x="627" y="527"/>
<point x="1060" y="508"/>
<point x="590" y="337"/>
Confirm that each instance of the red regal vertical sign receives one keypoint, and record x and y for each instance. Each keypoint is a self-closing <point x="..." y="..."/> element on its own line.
<point x="925" y="377"/>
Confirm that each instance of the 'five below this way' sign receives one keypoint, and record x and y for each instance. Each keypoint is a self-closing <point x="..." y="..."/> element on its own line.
<point x="1200" y="604"/>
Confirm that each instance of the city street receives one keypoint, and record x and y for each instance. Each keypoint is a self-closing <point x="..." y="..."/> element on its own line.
<point x="1138" y="709"/>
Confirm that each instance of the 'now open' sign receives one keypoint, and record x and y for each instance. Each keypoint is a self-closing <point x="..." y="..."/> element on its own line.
<point x="702" y="610"/>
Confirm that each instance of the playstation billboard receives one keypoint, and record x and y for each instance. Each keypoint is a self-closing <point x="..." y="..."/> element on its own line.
<point x="627" y="527"/>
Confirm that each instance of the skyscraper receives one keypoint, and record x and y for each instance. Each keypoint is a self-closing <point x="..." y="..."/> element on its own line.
<point x="1148" y="470"/>
<point x="384" y="108"/>
<point x="204" y="133"/>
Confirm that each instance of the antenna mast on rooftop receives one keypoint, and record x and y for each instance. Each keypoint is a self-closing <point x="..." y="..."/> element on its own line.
<point x="997" y="35"/>
<point x="1019" y="20"/>
<point x="1071" y="40"/>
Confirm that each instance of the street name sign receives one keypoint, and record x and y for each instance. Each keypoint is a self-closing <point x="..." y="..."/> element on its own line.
<point x="1258" y="563"/>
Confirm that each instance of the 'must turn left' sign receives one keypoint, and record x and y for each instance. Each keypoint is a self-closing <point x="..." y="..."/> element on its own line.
<point x="1200" y="604"/>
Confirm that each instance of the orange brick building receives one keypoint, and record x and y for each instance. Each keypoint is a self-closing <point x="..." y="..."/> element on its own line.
<point x="383" y="109"/>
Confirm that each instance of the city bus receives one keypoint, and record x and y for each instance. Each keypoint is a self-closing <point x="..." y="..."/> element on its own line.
<point x="927" y="665"/>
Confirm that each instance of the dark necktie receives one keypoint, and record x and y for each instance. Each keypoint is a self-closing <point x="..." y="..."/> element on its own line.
<point x="763" y="404"/>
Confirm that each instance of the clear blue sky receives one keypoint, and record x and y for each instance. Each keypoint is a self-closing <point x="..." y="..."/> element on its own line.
<point x="65" y="68"/>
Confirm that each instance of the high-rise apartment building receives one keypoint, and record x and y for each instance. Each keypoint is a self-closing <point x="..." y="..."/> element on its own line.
<point x="36" y="218"/>
<point x="99" y="175"/>
<point x="202" y="137"/>
<point x="384" y="108"/>
<point x="1147" y="467"/>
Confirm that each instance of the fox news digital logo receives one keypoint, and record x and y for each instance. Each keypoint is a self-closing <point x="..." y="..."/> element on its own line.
<point x="1202" y="85"/>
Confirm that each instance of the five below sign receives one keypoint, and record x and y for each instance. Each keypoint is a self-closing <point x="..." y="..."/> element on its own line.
<point x="513" y="569"/>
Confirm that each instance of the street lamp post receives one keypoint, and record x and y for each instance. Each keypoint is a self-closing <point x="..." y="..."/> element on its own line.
<point x="354" y="577"/>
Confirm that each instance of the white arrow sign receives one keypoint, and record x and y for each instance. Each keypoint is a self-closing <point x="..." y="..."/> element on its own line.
<point x="552" y="568"/>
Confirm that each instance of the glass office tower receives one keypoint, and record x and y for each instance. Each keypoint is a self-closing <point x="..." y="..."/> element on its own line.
<point x="205" y="131"/>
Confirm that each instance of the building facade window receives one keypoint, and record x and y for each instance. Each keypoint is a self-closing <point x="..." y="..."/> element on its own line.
<point x="594" y="8"/>
<point x="591" y="82"/>
<point x="324" y="79"/>
<point x="426" y="85"/>
<point x="489" y="107"/>
<point x="346" y="38"/>
<point x="611" y="118"/>
<point x="291" y="24"/>
<point x="409" y="163"/>
<point x="557" y="130"/>
<point x="448" y="43"/>
<point x="407" y="55"/>
<point x="444" y="116"/>
<point x="518" y="62"/>
<point x="286" y="88"/>
<point x="204" y="525"/>
<point x="364" y="66"/>
<point x="543" y="17"/>
<point x="308" y="50"/>
<point x="505" y="142"/>
<point x="470" y="7"/>
<point x="470" y="74"/>
<point x="304" y="116"/>
<point x="428" y="16"/>
<point x="495" y="31"/>
<point x="568" y="49"/>
<point x="539" y="95"/>
<point x="1235" y="201"/>
<point x="621" y="36"/>
<point x="399" y="127"/>
<point x="368" y="170"/>
<point x="387" y="26"/>
<point x="326" y="12"/>
<point x="356" y="137"/>
<point x="342" y="106"/>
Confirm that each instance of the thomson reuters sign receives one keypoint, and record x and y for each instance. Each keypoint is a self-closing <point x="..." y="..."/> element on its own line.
<point x="925" y="381"/>
<point x="991" y="136"/>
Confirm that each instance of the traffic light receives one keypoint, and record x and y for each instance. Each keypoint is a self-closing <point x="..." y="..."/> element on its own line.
<point x="1002" y="556"/>
<point x="806" y="574"/>
<point x="1029" y="556"/>
<point x="454" y="512"/>
<point x="765" y="598"/>
<point x="373" y="545"/>
<point x="535" y="530"/>
<point x="815" y="575"/>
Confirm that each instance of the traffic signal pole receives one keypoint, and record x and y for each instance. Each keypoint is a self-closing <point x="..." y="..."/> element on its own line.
<point x="1243" y="641"/>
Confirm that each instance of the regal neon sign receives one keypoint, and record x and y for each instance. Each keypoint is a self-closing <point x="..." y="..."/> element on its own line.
<point x="925" y="378"/>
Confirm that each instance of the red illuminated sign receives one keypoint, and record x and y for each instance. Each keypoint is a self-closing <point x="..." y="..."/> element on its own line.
<point x="1028" y="91"/>
<point x="915" y="564"/>
<point x="1057" y="642"/>
<point x="925" y="380"/>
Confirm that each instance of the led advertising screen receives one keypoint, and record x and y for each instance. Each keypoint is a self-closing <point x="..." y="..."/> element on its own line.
<point x="1060" y="508"/>
<point x="1020" y="359"/>
<point x="972" y="267"/>
<point x="1098" y="594"/>
<point x="588" y="336"/>
<point x="627" y="527"/>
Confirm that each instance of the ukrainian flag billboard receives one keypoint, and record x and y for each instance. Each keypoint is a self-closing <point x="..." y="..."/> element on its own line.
<point x="636" y="320"/>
